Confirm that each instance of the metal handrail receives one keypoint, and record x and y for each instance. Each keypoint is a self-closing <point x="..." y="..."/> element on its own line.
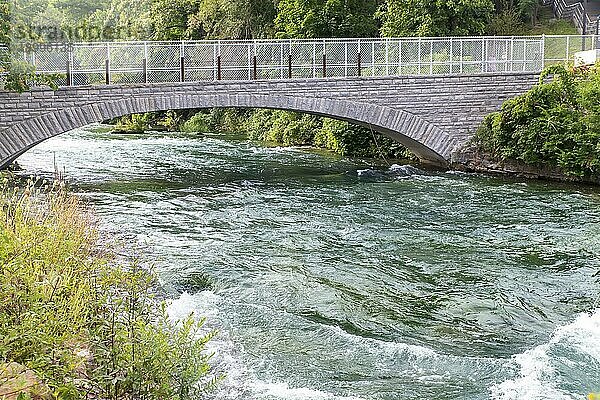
<point x="585" y="25"/>
<point x="160" y="61"/>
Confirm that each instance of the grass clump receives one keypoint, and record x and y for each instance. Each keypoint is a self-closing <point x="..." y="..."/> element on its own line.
<point x="86" y="326"/>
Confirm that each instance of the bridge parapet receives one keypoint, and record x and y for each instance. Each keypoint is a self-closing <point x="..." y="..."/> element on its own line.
<point x="191" y="61"/>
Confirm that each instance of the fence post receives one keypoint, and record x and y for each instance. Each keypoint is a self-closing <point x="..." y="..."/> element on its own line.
<point x="281" y="62"/>
<point x="543" y="51"/>
<point x="462" y="55"/>
<point x="182" y="69"/>
<point x="107" y="71"/>
<point x="419" y="57"/>
<point x="483" y="55"/>
<point x="219" y="67"/>
<point x="314" y="61"/>
<point x="431" y="57"/>
<point x="359" y="60"/>
<point x="345" y="59"/>
<point x="69" y="77"/>
<point x="219" y="61"/>
<point x="324" y="60"/>
<point x="145" y="70"/>
<point x="451" y="54"/>
<point x="145" y="63"/>
<point x="372" y="58"/>
<point x="387" y="57"/>
<point x="512" y="54"/>
<point x="255" y="61"/>
<point x="181" y="62"/>
<point x="107" y="65"/>
<point x="214" y="71"/>
<point x="290" y="59"/>
<point x="69" y="66"/>
<point x="399" y="56"/>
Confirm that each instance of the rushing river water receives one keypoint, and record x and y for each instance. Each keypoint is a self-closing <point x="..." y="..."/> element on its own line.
<point x="331" y="280"/>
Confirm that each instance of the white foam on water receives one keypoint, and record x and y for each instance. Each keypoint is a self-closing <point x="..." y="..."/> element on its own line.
<point x="388" y="347"/>
<point x="240" y="380"/>
<point x="537" y="375"/>
<point x="283" y="391"/>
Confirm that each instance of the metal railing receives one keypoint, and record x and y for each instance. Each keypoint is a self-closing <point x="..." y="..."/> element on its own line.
<point x="577" y="13"/>
<point x="145" y="62"/>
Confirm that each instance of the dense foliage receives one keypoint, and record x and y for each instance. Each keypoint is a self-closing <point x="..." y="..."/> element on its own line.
<point x="53" y="20"/>
<point x="295" y="129"/>
<point x="87" y="328"/>
<point x="436" y="18"/>
<point x="329" y="18"/>
<point x="556" y="124"/>
<point x="4" y="34"/>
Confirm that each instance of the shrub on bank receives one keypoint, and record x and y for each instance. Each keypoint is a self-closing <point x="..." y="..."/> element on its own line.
<point x="84" y="326"/>
<point x="556" y="124"/>
<point x="285" y="128"/>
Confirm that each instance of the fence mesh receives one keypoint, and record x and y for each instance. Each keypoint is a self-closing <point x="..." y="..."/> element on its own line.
<point x="136" y="62"/>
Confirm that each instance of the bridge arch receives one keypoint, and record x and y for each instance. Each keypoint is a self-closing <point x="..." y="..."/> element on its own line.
<point x="429" y="142"/>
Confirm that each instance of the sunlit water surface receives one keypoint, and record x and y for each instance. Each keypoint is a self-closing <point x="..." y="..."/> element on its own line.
<point x="331" y="280"/>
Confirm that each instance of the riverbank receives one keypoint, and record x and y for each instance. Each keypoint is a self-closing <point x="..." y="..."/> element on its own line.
<point x="74" y="321"/>
<point x="552" y="131"/>
<point x="473" y="159"/>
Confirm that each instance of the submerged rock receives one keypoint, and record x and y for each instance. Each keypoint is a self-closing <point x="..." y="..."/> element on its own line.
<point x="394" y="171"/>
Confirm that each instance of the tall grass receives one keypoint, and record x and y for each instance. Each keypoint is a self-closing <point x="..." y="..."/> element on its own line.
<point x="87" y="327"/>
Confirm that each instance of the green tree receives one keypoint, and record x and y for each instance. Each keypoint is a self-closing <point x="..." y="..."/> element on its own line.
<point x="213" y="19"/>
<point x="170" y="19"/>
<point x="5" y="17"/>
<point x="530" y="9"/>
<point x="435" y="17"/>
<point x="4" y="34"/>
<point x="121" y="19"/>
<point x="326" y="18"/>
<point x="235" y="19"/>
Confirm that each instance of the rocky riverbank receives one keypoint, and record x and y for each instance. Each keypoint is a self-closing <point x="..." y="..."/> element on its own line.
<point x="474" y="159"/>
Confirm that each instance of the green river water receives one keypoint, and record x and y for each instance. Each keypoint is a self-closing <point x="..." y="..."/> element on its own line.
<point x="333" y="280"/>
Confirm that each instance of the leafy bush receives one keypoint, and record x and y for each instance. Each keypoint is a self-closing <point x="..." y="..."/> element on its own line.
<point x="556" y="124"/>
<point x="290" y="128"/>
<point x="134" y="123"/>
<point x="21" y="77"/>
<point x="87" y="327"/>
<point x="199" y="122"/>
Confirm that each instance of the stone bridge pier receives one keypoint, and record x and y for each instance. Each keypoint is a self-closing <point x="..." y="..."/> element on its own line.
<point x="433" y="116"/>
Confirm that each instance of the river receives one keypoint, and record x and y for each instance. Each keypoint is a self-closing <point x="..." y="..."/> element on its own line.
<point x="328" y="279"/>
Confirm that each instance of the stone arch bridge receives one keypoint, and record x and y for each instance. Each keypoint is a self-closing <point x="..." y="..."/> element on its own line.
<point x="430" y="94"/>
<point x="431" y="115"/>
